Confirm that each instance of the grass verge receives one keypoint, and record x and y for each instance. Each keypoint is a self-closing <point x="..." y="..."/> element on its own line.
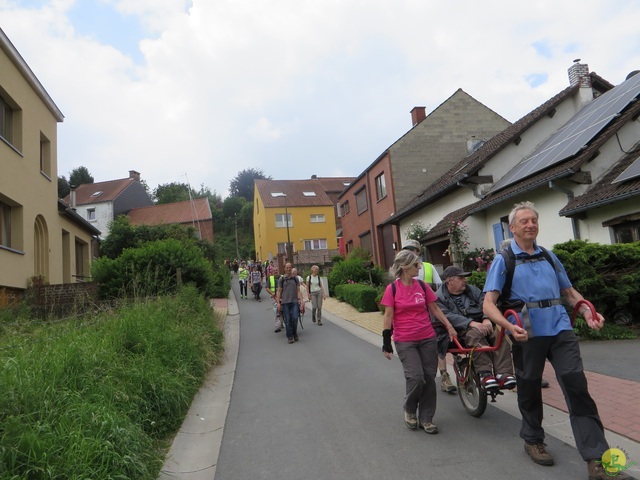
<point x="101" y="397"/>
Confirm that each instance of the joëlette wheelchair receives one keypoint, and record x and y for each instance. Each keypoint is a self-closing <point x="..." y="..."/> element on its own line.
<point x="470" y="390"/>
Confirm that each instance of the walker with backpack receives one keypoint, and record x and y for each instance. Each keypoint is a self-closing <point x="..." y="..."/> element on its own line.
<point x="470" y="390"/>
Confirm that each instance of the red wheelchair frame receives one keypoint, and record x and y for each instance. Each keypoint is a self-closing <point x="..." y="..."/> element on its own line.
<point x="470" y="390"/>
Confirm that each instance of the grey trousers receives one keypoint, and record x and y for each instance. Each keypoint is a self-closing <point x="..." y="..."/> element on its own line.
<point x="494" y="362"/>
<point x="563" y="351"/>
<point x="420" y="363"/>
<point x="316" y="305"/>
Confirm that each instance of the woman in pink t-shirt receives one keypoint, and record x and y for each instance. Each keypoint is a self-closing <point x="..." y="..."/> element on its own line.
<point x="406" y="317"/>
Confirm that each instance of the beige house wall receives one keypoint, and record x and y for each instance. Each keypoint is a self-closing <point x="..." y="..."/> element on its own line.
<point x="32" y="192"/>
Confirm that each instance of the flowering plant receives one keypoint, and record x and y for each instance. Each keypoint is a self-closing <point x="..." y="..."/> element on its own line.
<point x="479" y="259"/>
<point x="458" y="241"/>
<point x="417" y="230"/>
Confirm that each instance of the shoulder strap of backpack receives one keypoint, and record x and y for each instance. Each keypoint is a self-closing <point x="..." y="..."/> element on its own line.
<point x="422" y="284"/>
<point x="510" y="263"/>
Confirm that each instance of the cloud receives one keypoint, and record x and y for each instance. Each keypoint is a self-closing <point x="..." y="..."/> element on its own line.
<point x="293" y="87"/>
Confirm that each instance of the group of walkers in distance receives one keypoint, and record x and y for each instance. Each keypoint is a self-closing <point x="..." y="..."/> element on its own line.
<point x="421" y="324"/>
<point x="289" y="292"/>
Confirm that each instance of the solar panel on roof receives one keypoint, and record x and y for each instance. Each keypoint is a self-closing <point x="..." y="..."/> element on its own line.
<point x="632" y="171"/>
<point x="576" y="133"/>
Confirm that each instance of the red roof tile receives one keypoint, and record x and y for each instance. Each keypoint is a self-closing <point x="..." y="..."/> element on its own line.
<point x="170" y="213"/>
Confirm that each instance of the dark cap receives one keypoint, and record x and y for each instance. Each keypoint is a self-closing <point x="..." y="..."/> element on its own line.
<point x="454" y="271"/>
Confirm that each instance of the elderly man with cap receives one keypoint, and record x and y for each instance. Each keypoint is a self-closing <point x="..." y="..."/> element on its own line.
<point x="428" y="274"/>
<point x="462" y="305"/>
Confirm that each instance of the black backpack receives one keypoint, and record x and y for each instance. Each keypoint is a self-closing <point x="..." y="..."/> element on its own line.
<point x="504" y="301"/>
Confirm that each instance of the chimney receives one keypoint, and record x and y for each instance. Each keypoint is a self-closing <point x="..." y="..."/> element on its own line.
<point x="72" y="197"/>
<point x="314" y="177"/>
<point x="135" y="175"/>
<point x="418" y="114"/>
<point x="579" y="74"/>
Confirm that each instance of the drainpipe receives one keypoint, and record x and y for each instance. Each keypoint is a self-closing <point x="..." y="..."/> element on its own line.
<point x="569" y="194"/>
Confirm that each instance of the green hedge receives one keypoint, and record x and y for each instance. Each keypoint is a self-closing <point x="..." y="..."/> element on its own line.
<point x="152" y="269"/>
<point x="606" y="275"/>
<point x="362" y="297"/>
<point x="354" y="270"/>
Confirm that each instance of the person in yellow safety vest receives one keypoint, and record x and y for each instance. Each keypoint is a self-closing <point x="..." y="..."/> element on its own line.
<point x="243" y="276"/>
<point x="271" y="288"/>
<point x="429" y="275"/>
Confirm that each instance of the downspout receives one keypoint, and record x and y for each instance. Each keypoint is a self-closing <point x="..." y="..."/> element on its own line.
<point x="374" y="230"/>
<point x="569" y="194"/>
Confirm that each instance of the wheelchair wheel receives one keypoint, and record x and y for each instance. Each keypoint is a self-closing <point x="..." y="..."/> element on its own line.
<point x="473" y="398"/>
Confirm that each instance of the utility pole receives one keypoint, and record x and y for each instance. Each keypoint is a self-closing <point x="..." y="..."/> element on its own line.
<point x="289" y="246"/>
<point x="235" y="217"/>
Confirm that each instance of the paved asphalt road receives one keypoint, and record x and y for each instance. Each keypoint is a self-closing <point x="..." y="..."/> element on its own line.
<point x="330" y="407"/>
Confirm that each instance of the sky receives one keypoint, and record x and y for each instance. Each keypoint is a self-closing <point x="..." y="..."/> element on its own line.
<point x="195" y="91"/>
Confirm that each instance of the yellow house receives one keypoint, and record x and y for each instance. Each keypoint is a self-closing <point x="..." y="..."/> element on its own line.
<point x="39" y="235"/>
<point x="309" y="206"/>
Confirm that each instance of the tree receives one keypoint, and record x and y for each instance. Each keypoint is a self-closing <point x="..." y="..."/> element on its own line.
<point x="80" y="176"/>
<point x="172" y="192"/>
<point x="242" y="184"/>
<point x="63" y="187"/>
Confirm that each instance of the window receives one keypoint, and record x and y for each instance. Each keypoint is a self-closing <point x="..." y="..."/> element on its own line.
<point x="91" y="214"/>
<point x="317" y="218"/>
<point x="309" y="194"/>
<point x="6" y="120"/>
<point x="45" y="156"/>
<point x="282" y="247"/>
<point x="281" y="222"/>
<point x="627" y="232"/>
<point x="318" y="244"/>
<point x="381" y="187"/>
<point x="345" y="207"/>
<point x="5" y="225"/>
<point x="361" y="200"/>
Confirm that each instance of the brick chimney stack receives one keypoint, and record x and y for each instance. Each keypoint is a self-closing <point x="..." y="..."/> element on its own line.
<point x="135" y="175"/>
<point x="579" y="74"/>
<point x="418" y="114"/>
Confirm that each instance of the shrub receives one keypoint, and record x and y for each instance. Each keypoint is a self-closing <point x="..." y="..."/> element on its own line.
<point x="353" y="270"/>
<point x="607" y="275"/>
<point x="362" y="297"/>
<point x="477" y="279"/>
<point x="152" y="269"/>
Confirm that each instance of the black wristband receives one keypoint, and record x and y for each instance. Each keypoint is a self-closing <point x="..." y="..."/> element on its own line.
<point x="386" y="340"/>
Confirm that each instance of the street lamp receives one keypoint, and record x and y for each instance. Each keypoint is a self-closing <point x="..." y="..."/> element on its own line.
<point x="289" y="248"/>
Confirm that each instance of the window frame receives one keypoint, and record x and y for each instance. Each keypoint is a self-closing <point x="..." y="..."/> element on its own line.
<point x="280" y="220"/>
<point x="310" y="244"/>
<point x="5" y="224"/>
<point x="317" y="218"/>
<point x="362" y="205"/>
<point x="381" y="187"/>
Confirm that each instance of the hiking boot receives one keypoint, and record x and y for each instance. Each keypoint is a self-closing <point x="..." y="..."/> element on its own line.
<point x="597" y="472"/>
<point x="410" y="420"/>
<point x="445" y="383"/>
<point x="313" y="320"/>
<point x="278" y="330"/>
<point x="295" y="338"/>
<point x="538" y="453"/>
<point x="506" y="380"/>
<point x="291" y="340"/>
<point x="488" y="381"/>
<point x="429" y="427"/>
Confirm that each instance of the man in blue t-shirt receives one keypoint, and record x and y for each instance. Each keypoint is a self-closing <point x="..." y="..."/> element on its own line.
<point x="539" y="285"/>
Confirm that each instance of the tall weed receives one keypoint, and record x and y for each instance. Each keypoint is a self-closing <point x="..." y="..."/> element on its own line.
<point x="98" y="398"/>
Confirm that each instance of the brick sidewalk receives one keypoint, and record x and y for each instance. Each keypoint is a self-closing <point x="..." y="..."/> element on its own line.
<point x="617" y="399"/>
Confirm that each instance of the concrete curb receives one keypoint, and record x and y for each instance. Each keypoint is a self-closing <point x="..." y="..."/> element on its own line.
<point x="194" y="451"/>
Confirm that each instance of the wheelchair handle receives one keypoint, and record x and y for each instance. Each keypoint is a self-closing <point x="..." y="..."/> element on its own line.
<point x="460" y="349"/>
<point x="576" y="310"/>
